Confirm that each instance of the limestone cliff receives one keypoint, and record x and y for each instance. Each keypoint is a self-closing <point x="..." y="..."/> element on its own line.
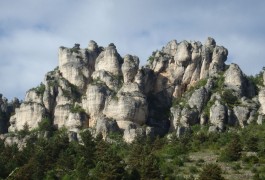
<point x="183" y="84"/>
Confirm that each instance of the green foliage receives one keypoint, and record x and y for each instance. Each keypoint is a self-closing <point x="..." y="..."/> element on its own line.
<point x="181" y="102"/>
<point x="198" y="85"/>
<point x="250" y="159"/>
<point x="45" y="125"/>
<point x="218" y="83"/>
<point x="76" y="109"/>
<point x="207" y="108"/>
<point x="229" y="98"/>
<point x="251" y="143"/>
<point x="211" y="172"/>
<point x="232" y="151"/>
<point x="73" y="93"/>
<point x="54" y="157"/>
<point x="24" y="132"/>
<point x="75" y="49"/>
<point x="151" y="59"/>
<point x="193" y="169"/>
<point x="97" y="81"/>
<point x="39" y="89"/>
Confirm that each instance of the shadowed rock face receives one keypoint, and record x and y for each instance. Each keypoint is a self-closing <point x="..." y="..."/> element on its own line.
<point x="6" y="110"/>
<point x="183" y="84"/>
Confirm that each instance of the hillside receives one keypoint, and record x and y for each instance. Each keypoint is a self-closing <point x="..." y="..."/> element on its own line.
<point x="186" y="95"/>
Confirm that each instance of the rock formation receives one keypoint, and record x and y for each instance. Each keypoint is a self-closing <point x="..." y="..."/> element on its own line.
<point x="6" y="110"/>
<point x="183" y="84"/>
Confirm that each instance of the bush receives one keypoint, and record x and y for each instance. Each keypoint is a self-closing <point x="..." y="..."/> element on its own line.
<point x="193" y="170"/>
<point x="77" y="109"/>
<point x="229" y="98"/>
<point x="211" y="172"/>
<point x="39" y="89"/>
<point x="251" y="143"/>
<point x="250" y="159"/>
<point x="232" y="151"/>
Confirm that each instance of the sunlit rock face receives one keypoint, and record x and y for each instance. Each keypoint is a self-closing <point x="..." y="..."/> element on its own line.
<point x="183" y="84"/>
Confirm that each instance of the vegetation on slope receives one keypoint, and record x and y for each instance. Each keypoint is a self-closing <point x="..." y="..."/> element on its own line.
<point x="235" y="154"/>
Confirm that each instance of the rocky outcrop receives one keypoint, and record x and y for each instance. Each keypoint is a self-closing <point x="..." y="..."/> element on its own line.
<point x="6" y="110"/>
<point x="218" y="115"/>
<point x="109" y="60"/>
<point x="198" y="99"/>
<point x="184" y="84"/>
<point x="30" y="113"/>
<point x="129" y="68"/>
<point x="261" y="96"/>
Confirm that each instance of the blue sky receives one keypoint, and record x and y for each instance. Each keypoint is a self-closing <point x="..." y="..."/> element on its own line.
<point x="32" y="30"/>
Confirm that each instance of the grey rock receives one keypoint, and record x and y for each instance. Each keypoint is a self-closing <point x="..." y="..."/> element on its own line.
<point x="92" y="46"/>
<point x="109" y="60"/>
<point x="242" y="115"/>
<point x="234" y="79"/>
<point x="261" y="99"/>
<point x="171" y="48"/>
<point x="213" y="129"/>
<point x="183" y="55"/>
<point x="210" y="42"/>
<point x="189" y="117"/>
<point x="130" y="68"/>
<point x="181" y="130"/>
<point x="218" y="115"/>
<point x="105" y="126"/>
<point x="76" y="65"/>
<point x="127" y="106"/>
<point x="260" y="119"/>
<point x="198" y="99"/>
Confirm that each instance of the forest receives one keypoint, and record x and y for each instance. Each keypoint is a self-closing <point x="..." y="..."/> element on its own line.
<point x="49" y="154"/>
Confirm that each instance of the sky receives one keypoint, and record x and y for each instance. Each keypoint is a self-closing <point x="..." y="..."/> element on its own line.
<point x="31" y="31"/>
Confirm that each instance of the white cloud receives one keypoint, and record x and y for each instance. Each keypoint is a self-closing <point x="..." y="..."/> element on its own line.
<point x="31" y="32"/>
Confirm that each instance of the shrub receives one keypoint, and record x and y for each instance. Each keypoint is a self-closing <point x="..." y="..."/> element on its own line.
<point x="232" y="151"/>
<point x="211" y="172"/>
<point x="229" y="98"/>
<point x="45" y="124"/>
<point x="193" y="170"/>
<point x="250" y="159"/>
<point x="251" y="143"/>
<point x="151" y="59"/>
<point x="39" y="89"/>
<point x="77" y="109"/>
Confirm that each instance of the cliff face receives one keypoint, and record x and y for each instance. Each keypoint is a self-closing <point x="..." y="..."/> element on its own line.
<point x="183" y="84"/>
<point x="6" y="110"/>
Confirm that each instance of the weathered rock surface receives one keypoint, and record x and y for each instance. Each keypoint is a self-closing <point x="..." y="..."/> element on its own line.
<point x="234" y="79"/>
<point x="129" y="68"/>
<point x="29" y="114"/>
<point x="184" y="84"/>
<point x="109" y="60"/>
<point x="6" y="109"/>
<point x="261" y="96"/>
<point x="218" y="115"/>
<point x="198" y="99"/>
